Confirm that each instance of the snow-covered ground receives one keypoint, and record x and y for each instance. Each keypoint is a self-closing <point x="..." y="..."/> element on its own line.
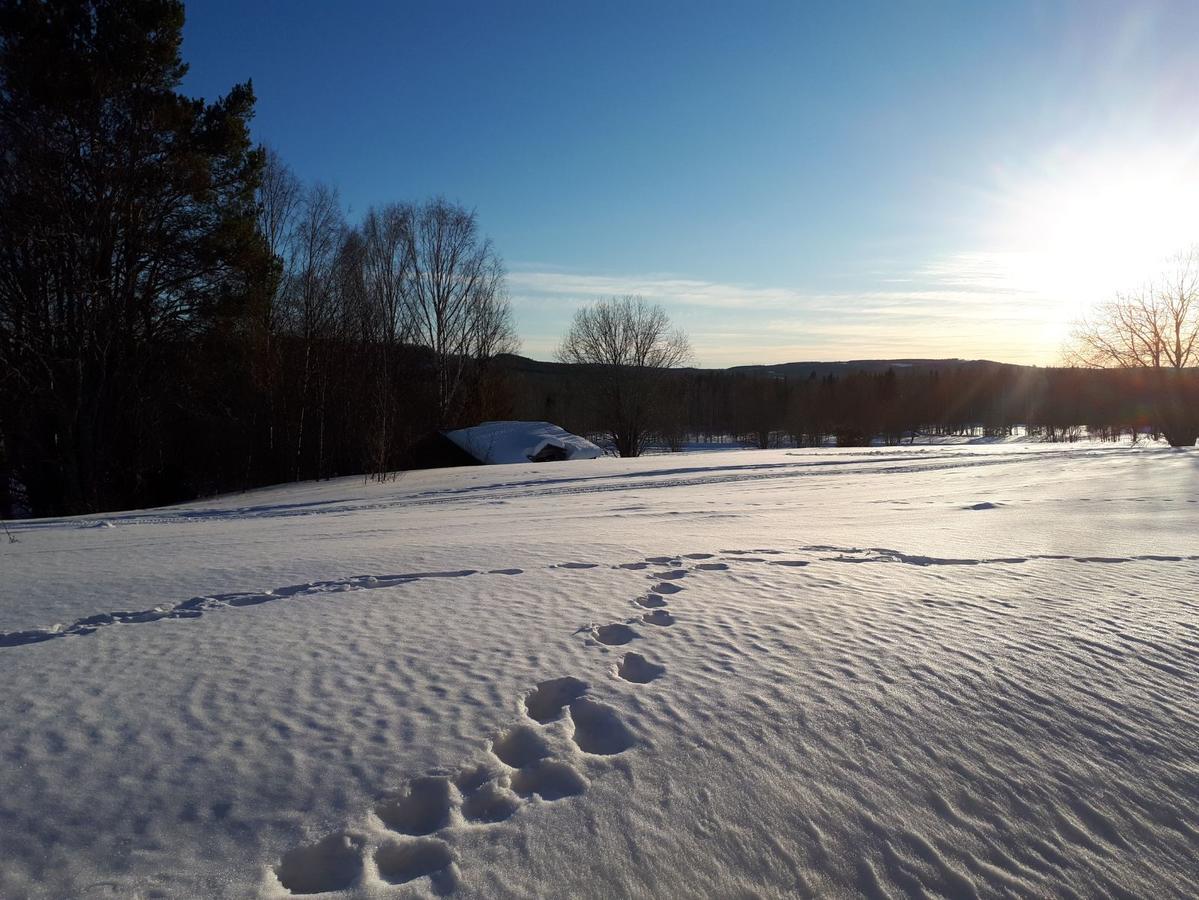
<point x="950" y="671"/>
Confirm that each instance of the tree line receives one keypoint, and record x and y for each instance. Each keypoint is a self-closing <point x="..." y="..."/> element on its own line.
<point x="856" y="407"/>
<point x="179" y="315"/>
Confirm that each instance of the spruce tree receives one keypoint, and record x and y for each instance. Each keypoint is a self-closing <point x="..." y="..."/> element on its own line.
<point x="127" y="233"/>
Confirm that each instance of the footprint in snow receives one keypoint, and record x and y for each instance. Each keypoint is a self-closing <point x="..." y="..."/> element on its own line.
<point x="423" y="807"/>
<point x="399" y="862"/>
<point x="333" y="863"/>
<point x="486" y="794"/>
<point x="520" y="746"/>
<point x="672" y="575"/>
<point x="598" y="729"/>
<point x="614" y="635"/>
<point x="636" y="668"/>
<point x="487" y="802"/>
<point x="549" y="780"/>
<point x="546" y="701"/>
<point x="650" y="601"/>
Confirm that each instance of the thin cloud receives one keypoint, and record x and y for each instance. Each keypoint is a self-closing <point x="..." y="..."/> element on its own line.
<point x="966" y="305"/>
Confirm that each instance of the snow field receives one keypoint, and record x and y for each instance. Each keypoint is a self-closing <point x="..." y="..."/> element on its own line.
<point x="713" y="678"/>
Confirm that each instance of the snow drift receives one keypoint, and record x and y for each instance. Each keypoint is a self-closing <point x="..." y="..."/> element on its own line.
<point x="498" y="443"/>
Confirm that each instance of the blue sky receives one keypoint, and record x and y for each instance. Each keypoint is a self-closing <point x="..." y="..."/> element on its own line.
<point x="791" y="180"/>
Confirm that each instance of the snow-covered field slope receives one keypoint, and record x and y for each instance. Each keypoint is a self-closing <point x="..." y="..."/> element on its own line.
<point x="947" y="671"/>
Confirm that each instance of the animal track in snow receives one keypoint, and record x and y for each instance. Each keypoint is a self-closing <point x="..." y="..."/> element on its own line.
<point x="422" y="809"/>
<point x="520" y="746"/>
<point x="636" y="668"/>
<point x="196" y="607"/>
<point x="483" y="794"/>
<point x="658" y="617"/>
<point x="526" y="767"/>
<point x="546" y="701"/>
<point x="333" y="863"/>
<point x="488" y="803"/>
<point x="534" y="762"/>
<point x="650" y="601"/>
<point x="614" y="634"/>
<point x="399" y="862"/>
<point x="598" y="729"/>
<point x="549" y="780"/>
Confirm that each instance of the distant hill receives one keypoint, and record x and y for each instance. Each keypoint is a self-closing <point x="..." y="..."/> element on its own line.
<point x="820" y="369"/>
<point x="793" y="370"/>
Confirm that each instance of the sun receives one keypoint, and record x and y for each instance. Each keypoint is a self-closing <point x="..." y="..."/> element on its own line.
<point x="1091" y="225"/>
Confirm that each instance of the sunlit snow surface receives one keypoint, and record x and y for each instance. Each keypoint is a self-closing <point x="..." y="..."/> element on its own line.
<point x="948" y="671"/>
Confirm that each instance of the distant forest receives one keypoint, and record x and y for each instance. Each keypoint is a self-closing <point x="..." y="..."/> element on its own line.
<point x="221" y="438"/>
<point x="855" y="403"/>
<point x="180" y="316"/>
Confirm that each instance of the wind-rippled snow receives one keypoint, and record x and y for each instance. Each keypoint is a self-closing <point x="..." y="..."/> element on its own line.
<point x="953" y="671"/>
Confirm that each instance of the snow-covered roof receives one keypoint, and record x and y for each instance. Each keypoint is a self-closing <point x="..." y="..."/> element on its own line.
<point x="496" y="443"/>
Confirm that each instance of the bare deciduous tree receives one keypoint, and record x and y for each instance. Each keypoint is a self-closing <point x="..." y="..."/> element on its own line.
<point x="455" y="298"/>
<point x="1155" y="328"/>
<point x="280" y="195"/>
<point x="625" y="345"/>
<point x="386" y="270"/>
<point x="311" y="302"/>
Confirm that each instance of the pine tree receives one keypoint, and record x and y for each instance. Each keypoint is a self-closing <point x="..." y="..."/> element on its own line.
<point x="127" y="230"/>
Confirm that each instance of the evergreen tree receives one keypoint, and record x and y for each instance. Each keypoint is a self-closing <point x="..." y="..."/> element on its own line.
<point x="127" y="232"/>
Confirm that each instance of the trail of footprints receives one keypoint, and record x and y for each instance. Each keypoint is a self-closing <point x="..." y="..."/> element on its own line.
<point x="521" y="767"/>
<point x="481" y="794"/>
<point x="408" y="834"/>
<point x="196" y="607"/>
<point x="411" y="831"/>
